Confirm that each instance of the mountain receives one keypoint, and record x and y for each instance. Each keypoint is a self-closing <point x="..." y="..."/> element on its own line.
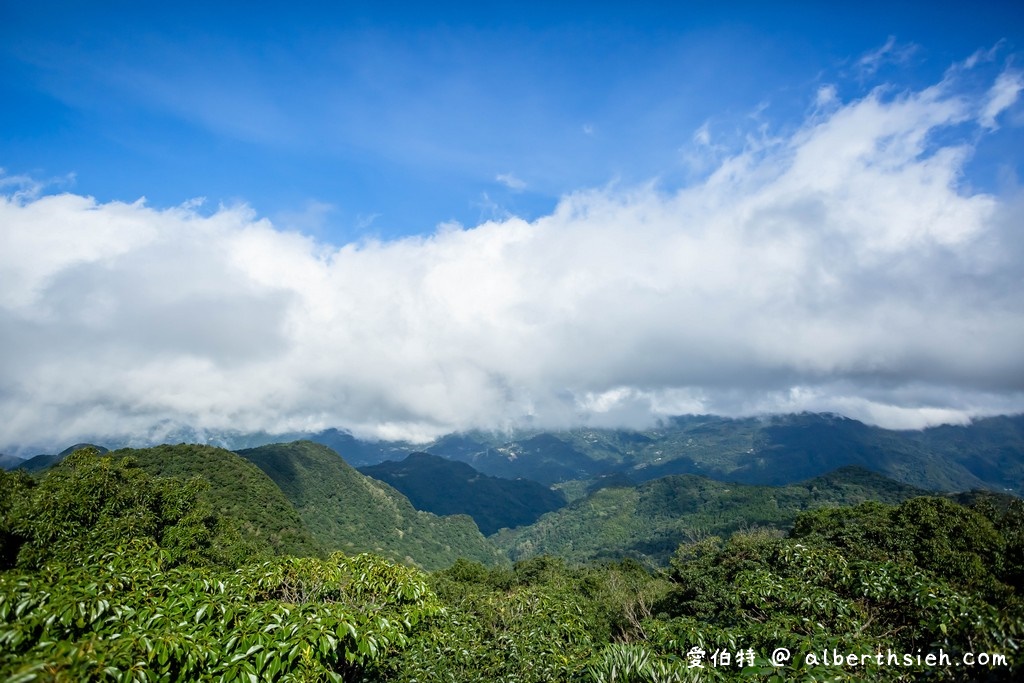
<point x="775" y="450"/>
<point x="799" y="446"/>
<point x="10" y="462"/>
<point x="545" y="458"/>
<point x="238" y="491"/>
<point x="649" y="521"/>
<point x="990" y="449"/>
<point x="42" y="462"/>
<point x="354" y="513"/>
<point x="357" y="452"/>
<point x="780" y="449"/>
<point x="447" y="487"/>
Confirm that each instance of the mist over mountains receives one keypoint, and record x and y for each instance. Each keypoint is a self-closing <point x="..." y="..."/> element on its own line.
<point x="584" y="494"/>
<point x="776" y="450"/>
<point x="627" y="505"/>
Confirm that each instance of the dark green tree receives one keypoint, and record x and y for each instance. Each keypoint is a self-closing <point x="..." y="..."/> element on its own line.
<point x="91" y="504"/>
<point x="14" y="487"/>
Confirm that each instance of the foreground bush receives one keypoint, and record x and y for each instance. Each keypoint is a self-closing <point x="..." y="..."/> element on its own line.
<point x="123" y="617"/>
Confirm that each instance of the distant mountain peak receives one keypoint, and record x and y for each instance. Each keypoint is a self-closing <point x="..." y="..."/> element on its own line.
<point x="448" y="487"/>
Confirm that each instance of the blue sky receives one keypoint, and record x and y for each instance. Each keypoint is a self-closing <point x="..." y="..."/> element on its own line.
<point x="388" y="118"/>
<point x="405" y="220"/>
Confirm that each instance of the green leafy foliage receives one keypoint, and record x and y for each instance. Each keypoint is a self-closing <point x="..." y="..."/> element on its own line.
<point x="90" y="503"/>
<point x="634" y="663"/>
<point x="121" y="576"/>
<point x="867" y="580"/>
<point x="238" y="492"/>
<point x="15" y="489"/>
<point x="935" y="534"/>
<point x="354" y="513"/>
<point x="540" y="621"/>
<point x="127" y="616"/>
<point x="647" y="522"/>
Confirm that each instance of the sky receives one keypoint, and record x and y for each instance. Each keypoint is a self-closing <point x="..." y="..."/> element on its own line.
<point x="405" y="220"/>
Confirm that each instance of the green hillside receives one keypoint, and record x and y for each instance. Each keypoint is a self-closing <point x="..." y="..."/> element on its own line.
<point x="446" y="487"/>
<point x="110" y="573"/>
<point x="238" y="491"/>
<point x="354" y="513"/>
<point x="44" y="461"/>
<point x="991" y="449"/>
<point x="775" y="450"/>
<point x="806" y="445"/>
<point x="649" y="521"/>
<point x="784" y="449"/>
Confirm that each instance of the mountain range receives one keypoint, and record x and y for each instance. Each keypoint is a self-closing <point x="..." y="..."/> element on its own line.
<point x="302" y="499"/>
<point x="648" y="521"/>
<point x="448" y="487"/>
<point x="778" y="450"/>
<point x="584" y="494"/>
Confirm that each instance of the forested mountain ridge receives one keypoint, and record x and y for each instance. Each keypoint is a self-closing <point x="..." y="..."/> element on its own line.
<point x="775" y="450"/>
<point x="110" y="573"/>
<point x="779" y="449"/>
<point x="630" y="467"/>
<point x="302" y="499"/>
<point x="348" y="511"/>
<point x="236" y="490"/>
<point x="649" y="520"/>
<point x="448" y="487"/>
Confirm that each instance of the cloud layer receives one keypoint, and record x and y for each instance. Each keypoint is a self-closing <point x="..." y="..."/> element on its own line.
<point x="844" y="266"/>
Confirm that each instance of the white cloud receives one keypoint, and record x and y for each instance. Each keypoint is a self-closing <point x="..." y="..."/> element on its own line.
<point x="841" y="268"/>
<point x="365" y="222"/>
<point x="23" y="187"/>
<point x="310" y="218"/>
<point x="702" y="136"/>
<point x="982" y="56"/>
<point x="511" y="182"/>
<point x="890" y="53"/>
<point x="1003" y="94"/>
<point x="826" y="96"/>
<point x="703" y="154"/>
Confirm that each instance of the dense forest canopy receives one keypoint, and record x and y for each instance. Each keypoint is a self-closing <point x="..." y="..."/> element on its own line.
<point x="111" y="572"/>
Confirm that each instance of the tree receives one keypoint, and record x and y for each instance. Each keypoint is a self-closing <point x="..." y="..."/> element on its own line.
<point x="14" y="487"/>
<point x="90" y="504"/>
